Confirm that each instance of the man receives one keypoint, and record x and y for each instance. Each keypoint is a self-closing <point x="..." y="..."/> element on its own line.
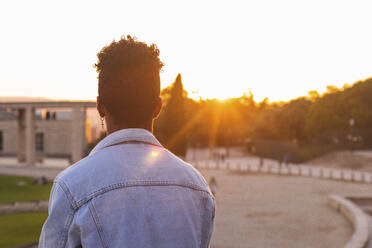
<point x="129" y="191"/>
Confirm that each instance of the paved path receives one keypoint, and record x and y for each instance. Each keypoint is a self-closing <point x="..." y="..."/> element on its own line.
<point x="264" y="210"/>
<point x="30" y="171"/>
<point x="24" y="207"/>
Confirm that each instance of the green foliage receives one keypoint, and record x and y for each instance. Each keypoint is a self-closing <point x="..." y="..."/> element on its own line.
<point x="334" y="110"/>
<point x="20" y="229"/>
<point x="283" y="122"/>
<point x="318" y="124"/>
<point x="277" y="149"/>
<point x="14" y="189"/>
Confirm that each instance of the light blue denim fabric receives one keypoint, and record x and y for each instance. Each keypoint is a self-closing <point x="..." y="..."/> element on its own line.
<point x="129" y="192"/>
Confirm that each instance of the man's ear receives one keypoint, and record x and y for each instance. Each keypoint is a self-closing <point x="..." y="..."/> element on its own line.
<point x="159" y="104"/>
<point x="100" y="108"/>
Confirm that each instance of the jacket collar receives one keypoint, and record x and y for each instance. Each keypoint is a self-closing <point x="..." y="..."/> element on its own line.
<point x="124" y="135"/>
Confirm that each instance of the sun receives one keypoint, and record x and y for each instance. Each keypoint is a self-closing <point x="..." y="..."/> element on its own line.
<point x="212" y="92"/>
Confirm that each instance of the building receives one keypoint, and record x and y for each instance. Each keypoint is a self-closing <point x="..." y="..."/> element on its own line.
<point x="33" y="130"/>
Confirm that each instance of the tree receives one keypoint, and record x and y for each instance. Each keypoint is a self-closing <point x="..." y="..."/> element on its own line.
<point x="330" y="114"/>
<point x="172" y="122"/>
<point x="284" y="121"/>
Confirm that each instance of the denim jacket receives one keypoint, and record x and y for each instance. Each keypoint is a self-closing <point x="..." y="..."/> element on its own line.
<point x="129" y="192"/>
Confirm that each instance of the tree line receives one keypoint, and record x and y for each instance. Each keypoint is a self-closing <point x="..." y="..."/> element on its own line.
<point x="339" y="118"/>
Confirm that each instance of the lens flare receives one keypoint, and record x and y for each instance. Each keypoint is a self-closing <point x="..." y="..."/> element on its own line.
<point x="152" y="157"/>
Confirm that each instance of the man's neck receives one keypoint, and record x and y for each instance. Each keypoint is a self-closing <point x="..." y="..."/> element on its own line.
<point x="113" y="127"/>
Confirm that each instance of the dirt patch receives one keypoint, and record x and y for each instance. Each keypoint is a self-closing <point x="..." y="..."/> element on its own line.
<point x="355" y="160"/>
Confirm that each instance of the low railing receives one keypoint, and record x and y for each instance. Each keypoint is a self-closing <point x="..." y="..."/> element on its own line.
<point x="356" y="216"/>
<point x="24" y="207"/>
<point x="288" y="170"/>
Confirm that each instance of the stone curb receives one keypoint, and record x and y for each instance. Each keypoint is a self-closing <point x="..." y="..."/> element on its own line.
<point x="290" y="170"/>
<point x="24" y="207"/>
<point x="356" y="216"/>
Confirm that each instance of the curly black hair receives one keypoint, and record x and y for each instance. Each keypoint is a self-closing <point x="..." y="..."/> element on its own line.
<point x="129" y="79"/>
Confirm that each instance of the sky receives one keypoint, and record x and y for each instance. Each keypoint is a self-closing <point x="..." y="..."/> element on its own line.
<point x="275" y="49"/>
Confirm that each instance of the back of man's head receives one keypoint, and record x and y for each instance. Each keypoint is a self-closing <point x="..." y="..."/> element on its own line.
<point x="129" y="80"/>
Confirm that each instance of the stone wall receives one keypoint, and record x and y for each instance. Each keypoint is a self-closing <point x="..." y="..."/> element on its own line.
<point x="57" y="137"/>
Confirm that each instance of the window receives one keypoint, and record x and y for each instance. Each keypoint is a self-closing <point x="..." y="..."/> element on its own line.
<point x="1" y="140"/>
<point x="39" y="141"/>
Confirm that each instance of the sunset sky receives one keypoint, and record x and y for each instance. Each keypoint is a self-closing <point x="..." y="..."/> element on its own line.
<point x="276" y="49"/>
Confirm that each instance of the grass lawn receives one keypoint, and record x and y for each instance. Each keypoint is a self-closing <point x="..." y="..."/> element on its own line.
<point x="14" y="188"/>
<point x="20" y="229"/>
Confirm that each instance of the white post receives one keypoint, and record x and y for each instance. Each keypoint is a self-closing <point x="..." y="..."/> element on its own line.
<point x="21" y="153"/>
<point x="78" y="134"/>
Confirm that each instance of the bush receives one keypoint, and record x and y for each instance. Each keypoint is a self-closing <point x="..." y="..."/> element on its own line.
<point x="292" y="152"/>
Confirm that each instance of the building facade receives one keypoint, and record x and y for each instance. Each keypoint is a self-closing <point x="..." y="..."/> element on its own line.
<point x="30" y="131"/>
<point x="52" y="138"/>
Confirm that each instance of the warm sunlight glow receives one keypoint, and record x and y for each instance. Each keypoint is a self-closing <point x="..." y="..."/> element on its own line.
<point x="275" y="49"/>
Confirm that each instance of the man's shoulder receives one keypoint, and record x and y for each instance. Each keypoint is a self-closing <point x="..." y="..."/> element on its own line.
<point x="113" y="168"/>
<point x="78" y="168"/>
<point x="185" y="170"/>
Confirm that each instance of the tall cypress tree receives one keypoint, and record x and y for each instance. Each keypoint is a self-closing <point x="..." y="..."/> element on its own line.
<point x="174" y="119"/>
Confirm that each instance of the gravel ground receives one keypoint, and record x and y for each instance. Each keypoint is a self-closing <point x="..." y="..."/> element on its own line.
<point x="278" y="211"/>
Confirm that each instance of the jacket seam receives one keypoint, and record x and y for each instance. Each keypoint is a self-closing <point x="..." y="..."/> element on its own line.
<point x="93" y="212"/>
<point x="137" y="184"/>
<point x="125" y="142"/>
<point x="63" y="240"/>
<point x="201" y="222"/>
<point x="64" y="236"/>
<point x="68" y="193"/>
